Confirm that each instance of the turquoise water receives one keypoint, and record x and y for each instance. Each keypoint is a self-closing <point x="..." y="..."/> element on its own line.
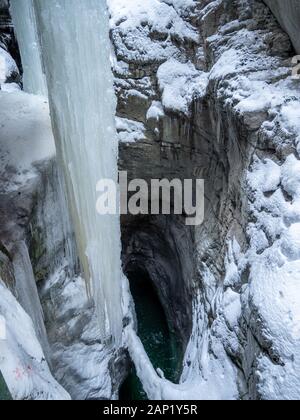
<point x="162" y="347"/>
<point x="4" y="392"/>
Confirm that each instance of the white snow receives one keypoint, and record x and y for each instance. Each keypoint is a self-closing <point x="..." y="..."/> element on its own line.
<point x="274" y="289"/>
<point x="156" y="111"/>
<point x="180" y="84"/>
<point x="129" y="131"/>
<point x="158" y="15"/>
<point x="135" y="21"/>
<point x="10" y="87"/>
<point x="25" y="137"/>
<point x="22" y="361"/>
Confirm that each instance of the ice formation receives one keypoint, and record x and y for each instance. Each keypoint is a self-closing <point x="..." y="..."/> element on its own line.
<point x="76" y="50"/>
<point x="25" y="27"/>
<point x="22" y="361"/>
<point x="27" y="292"/>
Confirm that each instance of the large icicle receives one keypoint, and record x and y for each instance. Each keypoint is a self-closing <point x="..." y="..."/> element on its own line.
<point x="76" y="55"/>
<point x="25" y="27"/>
<point x="27" y="293"/>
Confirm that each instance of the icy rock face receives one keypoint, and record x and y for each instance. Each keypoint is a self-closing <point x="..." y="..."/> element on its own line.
<point x="84" y="129"/>
<point x="288" y="14"/>
<point x="240" y="133"/>
<point x="24" y="22"/>
<point x="82" y="362"/>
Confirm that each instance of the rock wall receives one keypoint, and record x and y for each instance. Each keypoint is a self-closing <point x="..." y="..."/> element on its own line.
<point x="225" y="132"/>
<point x="7" y="36"/>
<point x="288" y="14"/>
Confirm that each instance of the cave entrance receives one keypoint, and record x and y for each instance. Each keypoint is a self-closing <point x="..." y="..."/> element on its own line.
<point x="163" y="347"/>
<point x="158" y="260"/>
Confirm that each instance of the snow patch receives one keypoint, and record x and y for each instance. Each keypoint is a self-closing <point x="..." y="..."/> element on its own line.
<point x="129" y="131"/>
<point x="180" y="84"/>
<point x="22" y="361"/>
<point x="156" y="111"/>
<point x="25" y="137"/>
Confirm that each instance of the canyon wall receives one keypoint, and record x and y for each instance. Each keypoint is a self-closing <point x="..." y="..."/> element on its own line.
<point x="205" y="93"/>
<point x="288" y="14"/>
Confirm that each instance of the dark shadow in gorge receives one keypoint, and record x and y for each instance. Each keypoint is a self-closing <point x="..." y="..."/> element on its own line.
<point x="158" y="254"/>
<point x="162" y="346"/>
<point x="163" y="246"/>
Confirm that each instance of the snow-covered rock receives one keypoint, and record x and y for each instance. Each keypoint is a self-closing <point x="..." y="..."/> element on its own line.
<point x="22" y="361"/>
<point x="229" y="100"/>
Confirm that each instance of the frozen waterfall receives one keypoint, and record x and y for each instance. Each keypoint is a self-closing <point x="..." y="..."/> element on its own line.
<point x="25" y="27"/>
<point x="75" y="49"/>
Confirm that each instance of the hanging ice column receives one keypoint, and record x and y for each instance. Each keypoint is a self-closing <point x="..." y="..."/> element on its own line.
<point x="76" y="56"/>
<point x="25" y="27"/>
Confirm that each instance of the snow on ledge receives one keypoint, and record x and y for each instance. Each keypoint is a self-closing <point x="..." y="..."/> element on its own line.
<point x="180" y="84"/>
<point x="25" y="137"/>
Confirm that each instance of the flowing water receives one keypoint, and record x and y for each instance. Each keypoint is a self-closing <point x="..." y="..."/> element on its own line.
<point x="161" y="345"/>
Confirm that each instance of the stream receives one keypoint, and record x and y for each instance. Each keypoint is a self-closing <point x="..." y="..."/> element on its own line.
<point x="162" y="346"/>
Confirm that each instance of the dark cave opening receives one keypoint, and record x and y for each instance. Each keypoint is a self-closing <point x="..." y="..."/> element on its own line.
<point x="158" y="261"/>
<point x="161" y="344"/>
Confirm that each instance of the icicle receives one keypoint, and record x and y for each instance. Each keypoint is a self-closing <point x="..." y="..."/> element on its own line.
<point x="76" y="50"/>
<point x="25" y="27"/>
<point x="27" y="293"/>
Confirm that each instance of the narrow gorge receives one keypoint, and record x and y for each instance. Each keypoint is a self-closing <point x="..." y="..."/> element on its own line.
<point x="144" y="305"/>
